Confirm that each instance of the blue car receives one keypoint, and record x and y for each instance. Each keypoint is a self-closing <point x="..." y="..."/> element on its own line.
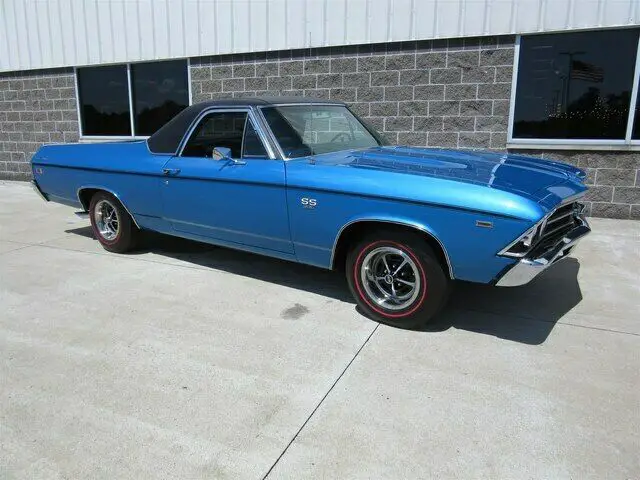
<point x="306" y="180"/>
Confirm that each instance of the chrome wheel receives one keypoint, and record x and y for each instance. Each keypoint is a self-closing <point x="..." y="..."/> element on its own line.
<point x="107" y="220"/>
<point x="390" y="278"/>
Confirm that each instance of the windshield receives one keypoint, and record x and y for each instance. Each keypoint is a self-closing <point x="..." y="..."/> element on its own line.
<point x="303" y="130"/>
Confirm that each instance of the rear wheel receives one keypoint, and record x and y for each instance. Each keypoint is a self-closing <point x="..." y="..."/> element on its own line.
<point x="396" y="279"/>
<point x="111" y="223"/>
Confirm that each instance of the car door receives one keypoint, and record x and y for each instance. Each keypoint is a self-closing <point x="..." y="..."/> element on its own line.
<point x="240" y="200"/>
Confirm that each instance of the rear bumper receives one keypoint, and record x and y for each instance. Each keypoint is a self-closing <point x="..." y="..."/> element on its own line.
<point x="527" y="269"/>
<point x="38" y="191"/>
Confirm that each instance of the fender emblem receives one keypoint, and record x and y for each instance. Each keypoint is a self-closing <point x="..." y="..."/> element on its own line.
<point x="484" y="224"/>
<point x="308" y="202"/>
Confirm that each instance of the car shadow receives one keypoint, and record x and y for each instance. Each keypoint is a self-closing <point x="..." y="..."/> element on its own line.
<point x="524" y="314"/>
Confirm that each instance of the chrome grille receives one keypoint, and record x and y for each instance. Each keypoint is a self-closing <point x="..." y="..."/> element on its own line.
<point x="559" y="223"/>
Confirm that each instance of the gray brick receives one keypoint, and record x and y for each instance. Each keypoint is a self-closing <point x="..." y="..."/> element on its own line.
<point x="610" y="210"/>
<point x="361" y="109"/>
<point x="445" y="75"/>
<point x="635" y="212"/>
<point x="398" y="124"/>
<point x="497" y="57"/>
<point x="344" y="65"/>
<point x="414" y="107"/>
<point x="629" y="161"/>
<point x="499" y="91"/>
<point x="370" y="94"/>
<point x="427" y="124"/>
<point x="233" y="84"/>
<point x="210" y="86"/>
<point x="398" y="93"/>
<point x="356" y="79"/>
<point x="303" y="82"/>
<point x="343" y="94"/>
<point x="474" y="140"/>
<point x="200" y="73"/>
<point x="457" y="124"/>
<point x="390" y="137"/>
<point x="429" y="92"/>
<point x="491" y="124"/>
<point x="330" y="80"/>
<point x="418" y="139"/>
<point x="501" y="108"/>
<point x="52" y="93"/>
<point x="376" y="122"/>
<point x="221" y="71"/>
<point x="463" y="59"/>
<point x="292" y="68"/>
<point x="474" y="108"/>
<point x="613" y="176"/>
<point x="279" y="83"/>
<point x="384" y="78"/>
<point x="371" y="64"/>
<point x="414" y="77"/>
<point x="258" y="83"/>
<point x="626" y="195"/>
<point x="431" y="60"/>
<point x="460" y="92"/>
<point x="384" y="109"/>
<point x="504" y="74"/>
<point x="401" y="62"/>
<point x="447" y="140"/>
<point x="269" y="69"/>
<point x="447" y="107"/>
<point x="599" y="194"/>
<point x="478" y="75"/>
<point x="316" y="66"/>
<point x="44" y="82"/>
<point x="324" y="93"/>
<point x="244" y="70"/>
<point x="498" y="140"/>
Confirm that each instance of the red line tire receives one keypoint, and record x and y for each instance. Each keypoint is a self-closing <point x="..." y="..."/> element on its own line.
<point x="119" y="234"/>
<point x="396" y="278"/>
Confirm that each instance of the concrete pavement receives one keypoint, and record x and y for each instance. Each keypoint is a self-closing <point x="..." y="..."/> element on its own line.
<point x="188" y="361"/>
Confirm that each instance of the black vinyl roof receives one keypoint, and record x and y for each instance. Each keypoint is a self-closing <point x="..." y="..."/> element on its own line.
<point x="167" y="139"/>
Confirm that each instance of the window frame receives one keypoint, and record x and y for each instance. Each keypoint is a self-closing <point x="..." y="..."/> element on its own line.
<point x="99" y="138"/>
<point x="627" y="143"/>
<point x="251" y="115"/>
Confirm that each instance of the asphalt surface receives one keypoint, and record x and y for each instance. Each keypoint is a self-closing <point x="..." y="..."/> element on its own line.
<point x="188" y="361"/>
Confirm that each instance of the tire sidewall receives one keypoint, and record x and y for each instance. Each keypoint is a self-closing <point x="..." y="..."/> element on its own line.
<point x="434" y="283"/>
<point x="123" y="240"/>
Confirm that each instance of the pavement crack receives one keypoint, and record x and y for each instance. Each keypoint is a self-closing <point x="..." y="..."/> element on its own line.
<point x="293" y="439"/>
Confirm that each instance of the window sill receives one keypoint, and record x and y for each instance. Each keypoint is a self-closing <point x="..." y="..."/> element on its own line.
<point x="109" y="139"/>
<point x="541" y="145"/>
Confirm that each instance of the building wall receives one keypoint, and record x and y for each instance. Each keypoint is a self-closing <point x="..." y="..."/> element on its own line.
<point x="36" y="107"/>
<point x="437" y="93"/>
<point x="47" y="34"/>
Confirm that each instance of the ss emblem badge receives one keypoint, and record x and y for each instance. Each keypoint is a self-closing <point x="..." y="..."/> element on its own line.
<point x="308" y="202"/>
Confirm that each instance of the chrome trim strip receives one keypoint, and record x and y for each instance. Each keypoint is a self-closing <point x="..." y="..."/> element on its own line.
<point x="108" y="191"/>
<point x="404" y="224"/>
<point x="272" y="138"/>
<point x="35" y="186"/>
<point x="250" y="114"/>
<point x="304" y="104"/>
<point x="527" y="269"/>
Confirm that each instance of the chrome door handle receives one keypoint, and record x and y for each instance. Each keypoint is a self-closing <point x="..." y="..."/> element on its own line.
<point x="171" y="171"/>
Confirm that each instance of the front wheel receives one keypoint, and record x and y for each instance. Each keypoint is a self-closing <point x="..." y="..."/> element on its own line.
<point x="396" y="279"/>
<point x="112" y="224"/>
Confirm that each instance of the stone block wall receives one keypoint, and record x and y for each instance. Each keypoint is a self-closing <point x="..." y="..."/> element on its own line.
<point x="444" y="93"/>
<point x="36" y="107"/>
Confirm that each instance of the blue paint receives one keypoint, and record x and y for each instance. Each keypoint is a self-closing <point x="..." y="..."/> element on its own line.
<point x="257" y="206"/>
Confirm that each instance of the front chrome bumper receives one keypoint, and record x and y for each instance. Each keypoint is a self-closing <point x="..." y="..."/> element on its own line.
<point x="527" y="269"/>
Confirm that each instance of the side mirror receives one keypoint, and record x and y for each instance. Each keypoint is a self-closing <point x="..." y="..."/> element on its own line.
<point x="221" y="153"/>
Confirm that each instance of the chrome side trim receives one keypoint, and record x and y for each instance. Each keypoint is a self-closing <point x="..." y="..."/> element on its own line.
<point x="527" y="269"/>
<point x="93" y="187"/>
<point x="35" y="186"/>
<point x="404" y="224"/>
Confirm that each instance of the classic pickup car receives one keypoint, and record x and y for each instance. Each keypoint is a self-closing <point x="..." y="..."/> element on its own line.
<point x="306" y="180"/>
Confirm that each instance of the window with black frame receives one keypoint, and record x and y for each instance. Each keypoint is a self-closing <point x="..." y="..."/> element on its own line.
<point x="575" y="86"/>
<point x="113" y="100"/>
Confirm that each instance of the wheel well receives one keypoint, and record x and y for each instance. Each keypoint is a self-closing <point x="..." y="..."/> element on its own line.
<point x="85" y="195"/>
<point x="357" y="230"/>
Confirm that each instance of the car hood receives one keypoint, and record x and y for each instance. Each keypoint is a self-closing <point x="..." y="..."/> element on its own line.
<point x="541" y="180"/>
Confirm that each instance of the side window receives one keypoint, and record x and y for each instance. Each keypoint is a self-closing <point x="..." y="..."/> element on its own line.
<point x="252" y="145"/>
<point x="223" y="129"/>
